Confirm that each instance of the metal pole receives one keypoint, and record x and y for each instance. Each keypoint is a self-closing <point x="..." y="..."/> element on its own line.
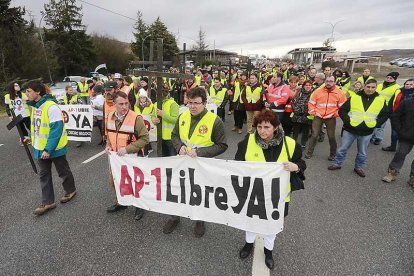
<point x="44" y="49"/>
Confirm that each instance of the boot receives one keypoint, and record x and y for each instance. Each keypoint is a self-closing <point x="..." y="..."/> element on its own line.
<point x="246" y="250"/>
<point x="269" y="258"/>
<point x="390" y="148"/>
<point x="411" y="181"/>
<point x="391" y="176"/>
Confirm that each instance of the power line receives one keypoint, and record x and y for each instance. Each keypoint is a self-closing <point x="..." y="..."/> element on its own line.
<point x="102" y="8"/>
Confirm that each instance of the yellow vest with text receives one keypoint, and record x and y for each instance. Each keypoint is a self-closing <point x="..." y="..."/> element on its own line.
<point x="40" y="127"/>
<point x="358" y="114"/>
<point x="83" y="87"/>
<point x="255" y="153"/>
<point x="11" y="103"/>
<point x="253" y="96"/>
<point x="201" y="137"/>
<point x="388" y="92"/>
<point x="217" y="97"/>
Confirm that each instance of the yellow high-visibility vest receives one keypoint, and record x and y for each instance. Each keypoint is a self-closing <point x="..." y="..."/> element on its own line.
<point x="255" y="153"/>
<point x="388" y="92"/>
<point x="16" y="103"/>
<point x="202" y="133"/>
<point x="358" y="114"/>
<point x="217" y="97"/>
<point x="253" y="96"/>
<point x="237" y="93"/>
<point x="40" y="127"/>
<point x="83" y="87"/>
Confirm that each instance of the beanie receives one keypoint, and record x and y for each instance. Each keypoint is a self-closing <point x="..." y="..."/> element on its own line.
<point x="393" y="75"/>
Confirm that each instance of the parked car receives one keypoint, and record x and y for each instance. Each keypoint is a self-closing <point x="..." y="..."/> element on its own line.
<point x="74" y="78"/>
<point x="58" y="89"/>
<point x="409" y="63"/>
<point x="394" y="61"/>
<point x="400" y="62"/>
<point x="99" y="76"/>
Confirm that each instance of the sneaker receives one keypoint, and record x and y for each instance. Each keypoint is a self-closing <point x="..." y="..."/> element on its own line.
<point x="391" y="176"/>
<point x="240" y="131"/>
<point x="331" y="157"/>
<point x="199" y="229"/>
<point x="115" y="208"/>
<point x="229" y="113"/>
<point x="334" y="167"/>
<point x="44" y="208"/>
<point x="411" y="181"/>
<point x="67" y="197"/>
<point x="234" y="129"/>
<point x="390" y="148"/>
<point x="139" y="213"/>
<point x="375" y="141"/>
<point x="170" y="225"/>
<point x="308" y="155"/>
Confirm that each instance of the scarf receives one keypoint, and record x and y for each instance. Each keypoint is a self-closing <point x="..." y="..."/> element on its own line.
<point x="275" y="141"/>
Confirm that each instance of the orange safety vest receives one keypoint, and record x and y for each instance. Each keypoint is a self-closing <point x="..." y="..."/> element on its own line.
<point x="125" y="135"/>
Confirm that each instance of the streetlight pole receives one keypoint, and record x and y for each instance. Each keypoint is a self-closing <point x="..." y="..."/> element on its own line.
<point x="333" y="28"/>
<point x="142" y="49"/>
<point x="44" y="48"/>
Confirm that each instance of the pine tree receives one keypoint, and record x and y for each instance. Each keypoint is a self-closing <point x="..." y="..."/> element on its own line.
<point x="67" y="36"/>
<point x="141" y="32"/>
<point x="170" y="49"/>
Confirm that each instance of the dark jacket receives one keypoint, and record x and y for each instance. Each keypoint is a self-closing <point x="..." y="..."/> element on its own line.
<point x="132" y="97"/>
<point x="300" y="107"/>
<point x="402" y="120"/>
<point x="218" y="136"/>
<point x="257" y="106"/>
<point x="362" y="129"/>
<point x="272" y="153"/>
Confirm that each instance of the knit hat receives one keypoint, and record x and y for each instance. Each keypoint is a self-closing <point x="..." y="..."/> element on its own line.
<point x="393" y="75"/>
<point x="143" y="93"/>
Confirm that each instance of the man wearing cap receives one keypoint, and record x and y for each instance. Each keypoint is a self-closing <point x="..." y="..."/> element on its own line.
<point x="361" y="114"/>
<point x="387" y="89"/>
<point x="120" y="83"/>
<point x="83" y="88"/>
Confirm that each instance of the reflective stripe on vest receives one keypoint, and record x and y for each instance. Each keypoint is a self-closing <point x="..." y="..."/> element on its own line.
<point x="253" y="97"/>
<point x="358" y="114"/>
<point x="217" y="97"/>
<point x="388" y="92"/>
<point x="255" y="153"/>
<point x="125" y="135"/>
<point x="202" y="132"/>
<point x="40" y="127"/>
<point x="83" y="87"/>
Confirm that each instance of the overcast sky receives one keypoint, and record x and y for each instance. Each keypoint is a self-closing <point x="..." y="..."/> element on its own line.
<point x="267" y="27"/>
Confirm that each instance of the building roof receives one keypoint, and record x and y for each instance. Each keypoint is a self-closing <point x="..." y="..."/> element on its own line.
<point x="216" y="51"/>
<point x="312" y="49"/>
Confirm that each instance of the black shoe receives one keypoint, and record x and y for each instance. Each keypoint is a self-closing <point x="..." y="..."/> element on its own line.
<point x="390" y="148"/>
<point x="139" y="213"/>
<point x="78" y="145"/>
<point x="115" y="208"/>
<point x="359" y="172"/>
<point x="170" y="225"/>
<point x="269" y="258"/>
<point x="334" y="167"/>
<point x="331" y="157"/>
<point x="199" y="229"/>
<point x="321" y="138"/>
<point x="246" y="250"/>
<point x="376" y="141"/>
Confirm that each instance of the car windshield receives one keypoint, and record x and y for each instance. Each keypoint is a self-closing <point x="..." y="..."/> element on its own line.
<point x="62" y="85"/>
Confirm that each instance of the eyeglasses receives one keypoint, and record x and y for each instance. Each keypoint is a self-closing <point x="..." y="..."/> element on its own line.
<point x="194" y="103"/>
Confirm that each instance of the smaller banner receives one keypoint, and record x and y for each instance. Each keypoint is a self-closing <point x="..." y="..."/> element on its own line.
<point x="78" y="121"/>
<point x="151" y="127"/>
<point x="246" y="195"/>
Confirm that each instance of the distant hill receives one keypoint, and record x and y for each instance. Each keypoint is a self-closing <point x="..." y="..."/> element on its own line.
<point x="391" y="54"/>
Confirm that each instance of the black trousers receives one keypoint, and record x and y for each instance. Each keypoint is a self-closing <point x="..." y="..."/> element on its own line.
<point x="64" y="172"/>
<point x="304" y="129"/>
<point x="239" y="117"/>
<point x="25" y="126"/>
<point x="168" y="148"/>
<point x="221" y="113"/>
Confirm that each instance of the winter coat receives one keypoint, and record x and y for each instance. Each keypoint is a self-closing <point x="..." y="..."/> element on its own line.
<point x="402" y="120"/>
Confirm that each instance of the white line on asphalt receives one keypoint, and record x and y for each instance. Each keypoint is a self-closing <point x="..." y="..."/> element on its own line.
<point x="259" y="268"/>
<point x="1" y="145"/>
<point x="93" y="157"/>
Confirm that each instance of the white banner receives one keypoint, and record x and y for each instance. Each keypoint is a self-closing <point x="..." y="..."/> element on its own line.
<point x="78" y="121"/>
<point x="210" y="106"/>
<point x="151" y="127"/>
<point x="246" y="195"/>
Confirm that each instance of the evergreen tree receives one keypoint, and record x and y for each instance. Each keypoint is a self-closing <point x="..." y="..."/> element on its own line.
<point x="170" y="49"/>
<point x="141" y="32"/>
<point x="201" y="46"/>
<point x="67" y="36"/>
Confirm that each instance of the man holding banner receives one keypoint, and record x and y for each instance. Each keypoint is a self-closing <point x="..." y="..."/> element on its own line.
<point x="197" y="132"/>
<point x="126" y="134"/>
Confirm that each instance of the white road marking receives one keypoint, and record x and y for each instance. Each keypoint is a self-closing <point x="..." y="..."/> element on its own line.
<point x="1" y="145"/>
<point x="93" y="157"/>
<point x="259" y="268"/>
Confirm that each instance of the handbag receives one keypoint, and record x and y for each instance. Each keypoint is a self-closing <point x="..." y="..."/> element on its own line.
<point x="296" y="178"/>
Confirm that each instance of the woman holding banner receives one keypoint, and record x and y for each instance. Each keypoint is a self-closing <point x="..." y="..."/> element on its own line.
<point x="269" y="144"/>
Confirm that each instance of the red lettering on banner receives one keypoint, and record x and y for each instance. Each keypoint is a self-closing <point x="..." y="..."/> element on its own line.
<point x="125" y="185"/>
<point x="139" y="180"/>
<point x="157" y="173"/>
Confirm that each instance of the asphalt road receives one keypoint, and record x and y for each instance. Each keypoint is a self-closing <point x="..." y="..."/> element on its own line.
<point x="340" y="224"/>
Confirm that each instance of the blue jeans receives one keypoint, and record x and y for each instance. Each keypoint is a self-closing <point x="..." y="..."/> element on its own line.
<point x="379" y="133"/>
<point x="347" y="141"/>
